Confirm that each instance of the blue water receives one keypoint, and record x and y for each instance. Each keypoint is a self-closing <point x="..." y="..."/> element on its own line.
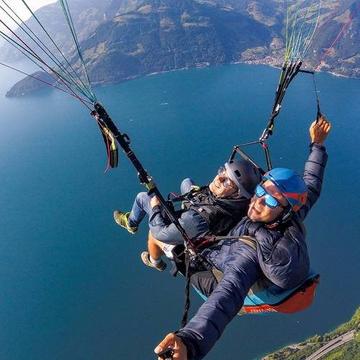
<point x="71" y="282"/>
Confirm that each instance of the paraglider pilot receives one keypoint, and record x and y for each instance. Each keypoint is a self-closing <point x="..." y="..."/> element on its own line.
<point x="275" y="217"/>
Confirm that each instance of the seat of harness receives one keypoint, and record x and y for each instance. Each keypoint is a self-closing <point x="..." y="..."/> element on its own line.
<point x="264" y="296"/>
<point x="271" y="294"/>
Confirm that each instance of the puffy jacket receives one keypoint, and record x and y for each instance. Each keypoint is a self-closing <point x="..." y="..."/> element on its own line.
<point x="281" y="255"/>
<point x="205" y="213"/>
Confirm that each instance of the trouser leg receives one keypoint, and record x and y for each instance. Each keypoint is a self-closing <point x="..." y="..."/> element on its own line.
<point x="141" y="205"/>
<point x="140" y="208"/>
<point x="204" y="281"/>
<point x="186" y="185"/>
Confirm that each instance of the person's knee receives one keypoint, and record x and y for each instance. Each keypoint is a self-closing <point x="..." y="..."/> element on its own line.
<point x="186" y="185"/>
<point x="154" y="240"/>
<point x="141" y="197"/>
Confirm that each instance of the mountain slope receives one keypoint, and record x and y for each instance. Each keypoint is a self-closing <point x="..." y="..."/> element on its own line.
<point x="337" y="44"/>
<point x="123" y="39"/>
<point x="346" y="351"/>
<point x="163" y="35"/>
<point x="87" y="16"/>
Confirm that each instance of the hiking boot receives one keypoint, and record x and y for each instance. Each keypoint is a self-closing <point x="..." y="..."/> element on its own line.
<point x="145" y="257"/>
<point x="122" y="219"/>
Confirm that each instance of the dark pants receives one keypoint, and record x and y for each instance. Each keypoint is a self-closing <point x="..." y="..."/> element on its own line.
<point x="204" y="281"/>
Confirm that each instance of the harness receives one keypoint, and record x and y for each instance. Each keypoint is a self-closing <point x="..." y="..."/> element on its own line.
<point x="219" y="214"/>
<point x="265" y="297"/>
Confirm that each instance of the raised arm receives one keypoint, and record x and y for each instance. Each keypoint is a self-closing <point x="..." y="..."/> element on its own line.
<point x="315" y="164"/>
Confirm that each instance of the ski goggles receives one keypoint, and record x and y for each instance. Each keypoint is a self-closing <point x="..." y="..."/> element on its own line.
<point x="228" y="183"/>
<point x="270" y="201"/>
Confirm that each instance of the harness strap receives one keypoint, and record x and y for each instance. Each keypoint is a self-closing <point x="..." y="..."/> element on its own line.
<point x="187" y="196"/>
<point x="248" y="240"/>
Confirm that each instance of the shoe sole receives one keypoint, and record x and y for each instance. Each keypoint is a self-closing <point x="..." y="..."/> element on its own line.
<point x="145" y="259"/>
<point x="129" y="229"/>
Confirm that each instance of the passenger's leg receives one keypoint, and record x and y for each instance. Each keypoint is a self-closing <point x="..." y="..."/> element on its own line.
<point x="140" y="208"/>
<point x="154" y="247"/>
<point x="152" y="257"/>
<point x="131" y="220"/>
<point x="186" y="185"/>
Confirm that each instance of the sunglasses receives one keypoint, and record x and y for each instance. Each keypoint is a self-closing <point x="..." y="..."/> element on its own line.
<point x="227" y="182"/>
<point x="270" y="201"/>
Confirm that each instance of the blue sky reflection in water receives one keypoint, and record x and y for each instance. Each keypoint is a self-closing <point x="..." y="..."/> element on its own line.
<point x="72" y="283"/>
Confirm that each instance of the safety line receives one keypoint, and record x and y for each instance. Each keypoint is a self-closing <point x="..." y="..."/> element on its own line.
<point x="90" y="97"/>
<point x="70" y="22"/>
<point x="43" y="81"/>
<point x="35" y="56"/>
<point x="44" y="48"/>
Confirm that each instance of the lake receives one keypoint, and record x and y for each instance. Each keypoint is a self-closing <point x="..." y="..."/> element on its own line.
<point x="72" y="283"/>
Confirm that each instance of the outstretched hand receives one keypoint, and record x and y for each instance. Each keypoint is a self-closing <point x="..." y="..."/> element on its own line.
<point x="319" y="130"/>
<point x="174" y="342"/>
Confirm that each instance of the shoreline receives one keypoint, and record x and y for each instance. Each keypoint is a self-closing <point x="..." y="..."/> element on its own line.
<point x="196" y="66"/>
<point x="203" y="66"/>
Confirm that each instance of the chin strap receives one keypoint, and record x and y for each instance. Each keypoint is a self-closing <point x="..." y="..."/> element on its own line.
<point x="284" y="217"/>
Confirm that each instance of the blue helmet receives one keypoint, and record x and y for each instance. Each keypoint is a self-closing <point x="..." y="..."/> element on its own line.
<point x="290" y="184"/>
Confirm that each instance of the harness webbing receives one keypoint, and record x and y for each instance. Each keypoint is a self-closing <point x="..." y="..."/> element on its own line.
<point x="124" y="141"/>
<point x="145" y="179"/>
<point x="288" y="73"/>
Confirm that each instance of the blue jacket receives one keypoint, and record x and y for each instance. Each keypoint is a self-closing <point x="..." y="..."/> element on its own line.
<point x="281" y="255"/>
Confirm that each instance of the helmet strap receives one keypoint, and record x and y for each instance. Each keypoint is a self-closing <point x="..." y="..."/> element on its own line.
<point x="281" y="219"/>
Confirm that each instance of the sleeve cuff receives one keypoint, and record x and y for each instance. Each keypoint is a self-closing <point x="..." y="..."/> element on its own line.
<point x="319" y="146"/>
<point x="189" y="347"/>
